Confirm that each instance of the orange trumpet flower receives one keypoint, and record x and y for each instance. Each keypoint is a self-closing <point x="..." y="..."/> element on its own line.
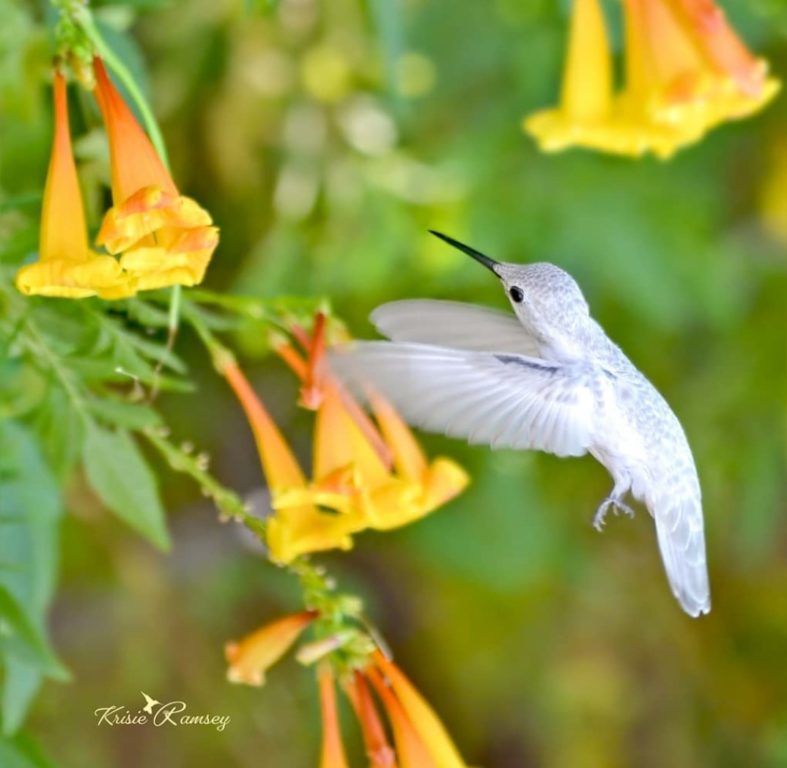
<point x="378" y="750"/>
<point x="426" y="725"/>
<point x="332" y="753"/>
<point x="162" y="237"/>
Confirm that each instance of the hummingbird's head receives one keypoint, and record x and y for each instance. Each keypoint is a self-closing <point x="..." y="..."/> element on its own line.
<point x="545" y="298"/>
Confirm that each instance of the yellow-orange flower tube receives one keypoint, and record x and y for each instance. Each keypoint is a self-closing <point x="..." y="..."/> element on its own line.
<point x="66" y="266"/>
<point x="332" y="751"/>
<point x="251" y="657"/>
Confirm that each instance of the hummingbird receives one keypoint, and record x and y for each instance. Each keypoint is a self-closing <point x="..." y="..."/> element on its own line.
<point x="549" y="379"/>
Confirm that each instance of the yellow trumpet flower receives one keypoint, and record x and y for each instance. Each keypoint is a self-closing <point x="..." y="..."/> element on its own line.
<point x="686" y="71"/>
<point x="375" y="475"/>
<point x="162" y="237"/>
<point x="66" y="266"/>
<point x="584" y="116"/>
<point x="297" y="528"/>
<point x="364" y="475"/>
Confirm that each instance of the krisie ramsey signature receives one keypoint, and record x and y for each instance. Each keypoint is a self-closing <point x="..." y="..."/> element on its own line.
<point x="172" y="713"/>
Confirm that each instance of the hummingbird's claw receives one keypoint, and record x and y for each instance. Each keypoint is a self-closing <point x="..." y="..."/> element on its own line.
<point x="617" y="506"/>
<point x="624" y="508"/>
<point x="601" y="512"/>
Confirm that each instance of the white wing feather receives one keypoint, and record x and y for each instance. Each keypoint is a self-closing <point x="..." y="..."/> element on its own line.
<point x="453" y="324"/>
<point x="503" y="400"/>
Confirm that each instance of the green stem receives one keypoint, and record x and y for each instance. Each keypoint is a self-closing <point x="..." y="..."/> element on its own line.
<point x="220" y="354"/>
<point x="174" y="311"/>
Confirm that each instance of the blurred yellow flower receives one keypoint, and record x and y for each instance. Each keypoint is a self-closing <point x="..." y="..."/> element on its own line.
<point x="66" y="266"/>
<point x="251" y="657"/>
<point x="162" y="237"/>
<point x="584" y="116"/>
<point x="686" y="71"/>
<point x="365" y="475"/>
<point x="326" y="73"/>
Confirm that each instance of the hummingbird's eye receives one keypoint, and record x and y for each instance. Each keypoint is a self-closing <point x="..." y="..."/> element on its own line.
<point x="516" y="294"/>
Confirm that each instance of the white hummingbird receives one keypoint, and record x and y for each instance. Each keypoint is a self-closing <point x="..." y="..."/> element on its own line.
<point x="548" y="379"/>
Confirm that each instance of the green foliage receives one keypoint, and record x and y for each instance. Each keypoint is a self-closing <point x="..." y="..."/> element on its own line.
<point x="30" y="512"/>
<point x="124" y="482"/>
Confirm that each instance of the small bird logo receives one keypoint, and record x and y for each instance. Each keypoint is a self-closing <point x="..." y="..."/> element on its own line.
<point x="548" y="379"/>
<point x="149" y="703"/>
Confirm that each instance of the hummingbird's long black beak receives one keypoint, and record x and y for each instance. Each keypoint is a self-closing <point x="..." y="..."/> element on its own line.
<point x="477" y="255"/>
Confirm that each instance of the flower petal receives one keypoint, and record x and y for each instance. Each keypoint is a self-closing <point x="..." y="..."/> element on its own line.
<point x="135" y="163"/>
<point x="338" y="442"/>
<point x="332" y="752"/>
<point x="63" y="226"/>
<point x="430" y="729"/>
<point x="296" y="531"/>
<point x="149" y="211"/>
<point x="278" y="462"/>
<point x="378" y="750"/>
<point x="587" y="79"/>
<point x="411" y="751"/>
<point x="94" y="275"/>
<point x="408" y="458"/>
<point x="252" y="656"/>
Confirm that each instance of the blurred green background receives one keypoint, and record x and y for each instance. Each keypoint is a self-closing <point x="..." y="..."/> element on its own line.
<point x="326" y="138"/>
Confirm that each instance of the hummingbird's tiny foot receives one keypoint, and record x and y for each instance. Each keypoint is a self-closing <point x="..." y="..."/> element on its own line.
<point x="624" y="508"/>
<point x="617" y="506"/>
<point x="601" y="513"/>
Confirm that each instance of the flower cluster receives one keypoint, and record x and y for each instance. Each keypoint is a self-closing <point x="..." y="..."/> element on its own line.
<point x="372" y="684"/>
<point x="154" y="236"/>
<point x="365" y="473"/>
<point x="686" y="71"/>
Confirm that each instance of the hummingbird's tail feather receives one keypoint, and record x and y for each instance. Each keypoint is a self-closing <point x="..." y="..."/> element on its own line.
<point x="679" y="529"/>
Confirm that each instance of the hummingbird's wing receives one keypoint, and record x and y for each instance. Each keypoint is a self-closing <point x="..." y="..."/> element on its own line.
<point x="453" y="324"/>
<point x="503" y="400"/>
<point x="681" y="537"/>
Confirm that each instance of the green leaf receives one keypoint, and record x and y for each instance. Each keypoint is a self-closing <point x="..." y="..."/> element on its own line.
<point x="20" y="638"/>
<point x="30" y="511"/>
<point x="122" y="413"/>
<point x="22" y="752"/>
<point x="58" y="426"/>
<point x="124" y="482"/>
<point x="21" y="684"/>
